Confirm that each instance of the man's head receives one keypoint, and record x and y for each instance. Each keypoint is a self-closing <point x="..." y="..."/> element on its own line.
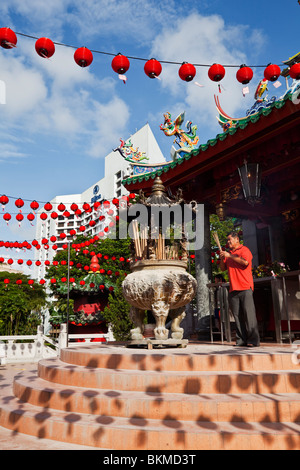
<point x="233" y="240"/>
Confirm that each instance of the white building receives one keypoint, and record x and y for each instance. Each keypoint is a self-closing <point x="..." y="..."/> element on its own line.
<point x="109" y="187"/>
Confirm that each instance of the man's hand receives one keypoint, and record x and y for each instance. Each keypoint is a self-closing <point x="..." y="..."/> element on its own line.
<point x="237" y="259"/>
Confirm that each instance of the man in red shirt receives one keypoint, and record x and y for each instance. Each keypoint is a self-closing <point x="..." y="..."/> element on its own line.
<point x="238" y="262"/>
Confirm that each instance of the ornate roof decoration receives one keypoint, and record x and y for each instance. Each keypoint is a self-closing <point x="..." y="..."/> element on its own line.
<point x="185" y="140"/>
<point x="129" y="153"/>
<point x="240" y="124"/>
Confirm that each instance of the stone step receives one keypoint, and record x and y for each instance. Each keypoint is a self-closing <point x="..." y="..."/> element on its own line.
<point x="117" y="433"/>
<point x="150" y="405"/>
<point x="187" y="382"/>
<point x="220" y="359"/>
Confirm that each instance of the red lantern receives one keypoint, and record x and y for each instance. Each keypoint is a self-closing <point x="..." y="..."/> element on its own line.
<point x="115" y="201"/>
<point x="86" y="207"/>
<point x="97" y="205"/>
<point x="295" y="71"/>
<point x="48" y="206"/>
<point x="82" y="228"/>
<point x="53" y="281"/>
<point x="216" y="72"/>
<point x="45" y="47"/>
<point x="53" y="238"/>
<point x="7" y="217"/>
<point x="19" y="218"/>
<point x="111" y="288"/>
<point x="30" y="282"/>
<point x="244" y="74"/>
<point x="62" y="236"/>
<point x="44" y="241"/>
<point x="272" y="72"/>
<point x="42" y="282"/>
<point x="34" y="205"/>
<point x="66" y="214"/>
<point x="74" y="207"/>
<point x="187" y="72"/>
<point x="20" y="261"/>
<point x="10" y="261"/>
<point x="1" y="259"/>
<point x="4" y="200"/>
<point x="6" y="282"/>
<point x="30" y="217"/>
<point x="19" y="282"/>
<point x="47" y="262"/>
<point x="8" y="38"/>
<point x="82" y="283"/>
<point x="19" y="203"/>
<point x="72" y="232"/>
<point x="43" y="216"/>
<point x="38" y="263"/>
<point x="63" y="279"/>
<point x="29" y="262"/>
<point x="153" y="68"/>
<point x="92" y="223"/>
<point x="120" y="64"/>
<point x="83" y="57"/>
<point x="54" y="215"/>
<point x="61" y="207"/>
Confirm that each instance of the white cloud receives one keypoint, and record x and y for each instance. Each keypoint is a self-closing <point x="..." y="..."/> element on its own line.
<point x="25" y="87"/>
<point x="110" y="121"/>
<point x="57" y="96"/>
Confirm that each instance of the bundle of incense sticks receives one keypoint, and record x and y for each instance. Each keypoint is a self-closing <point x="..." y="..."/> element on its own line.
<point x="161" y="250"/>
<point x="216" y="238"/>
<point x="136" y="238"/>
<point x="160" y="247"/>
<point x="171" y="252"/>
<point x="144" y="242"/>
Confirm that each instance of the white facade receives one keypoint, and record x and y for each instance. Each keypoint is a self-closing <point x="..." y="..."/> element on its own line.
<point x="116" y="169"/>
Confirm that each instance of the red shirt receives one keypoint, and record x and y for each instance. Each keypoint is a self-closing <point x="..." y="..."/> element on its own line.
<point x="240" y="277"/>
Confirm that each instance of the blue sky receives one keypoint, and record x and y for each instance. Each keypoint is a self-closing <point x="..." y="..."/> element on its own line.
<point x="60" y="121"/>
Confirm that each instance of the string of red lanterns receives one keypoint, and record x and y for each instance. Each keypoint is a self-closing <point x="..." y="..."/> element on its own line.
<point x="30" y="262"/>
<point x="53" y="281"/>
<point x="87" y="208"/>
<point x="120" y="64"/>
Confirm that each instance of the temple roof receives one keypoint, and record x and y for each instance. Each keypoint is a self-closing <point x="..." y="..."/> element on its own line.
<point x="239" y="127"/>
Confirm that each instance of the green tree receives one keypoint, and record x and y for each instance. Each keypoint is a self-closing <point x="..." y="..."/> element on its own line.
<point x="222" y="228"/>
<point x="112" y="256"/>
<point x="117" y="313"/>
<point x="20" y="304"/>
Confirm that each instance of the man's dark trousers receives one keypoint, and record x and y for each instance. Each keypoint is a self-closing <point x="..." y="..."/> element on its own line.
<point x="243" y="309"/>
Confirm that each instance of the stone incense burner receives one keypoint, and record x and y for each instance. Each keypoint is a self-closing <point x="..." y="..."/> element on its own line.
<point x="163" y="286"/>
<point x="159" y="280"/>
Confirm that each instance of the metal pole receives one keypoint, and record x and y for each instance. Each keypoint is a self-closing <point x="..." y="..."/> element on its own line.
<point x="285" y="301"/>
<point x="68" y="294"/>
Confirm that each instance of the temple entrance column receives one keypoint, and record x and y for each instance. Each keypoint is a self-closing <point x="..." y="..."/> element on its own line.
<point x="277" y="243"/>
<point x="203" y="276"/>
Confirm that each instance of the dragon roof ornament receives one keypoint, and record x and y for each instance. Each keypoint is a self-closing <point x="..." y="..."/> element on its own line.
<point x="186" y="140"/>
<point x="129" y="153"/>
